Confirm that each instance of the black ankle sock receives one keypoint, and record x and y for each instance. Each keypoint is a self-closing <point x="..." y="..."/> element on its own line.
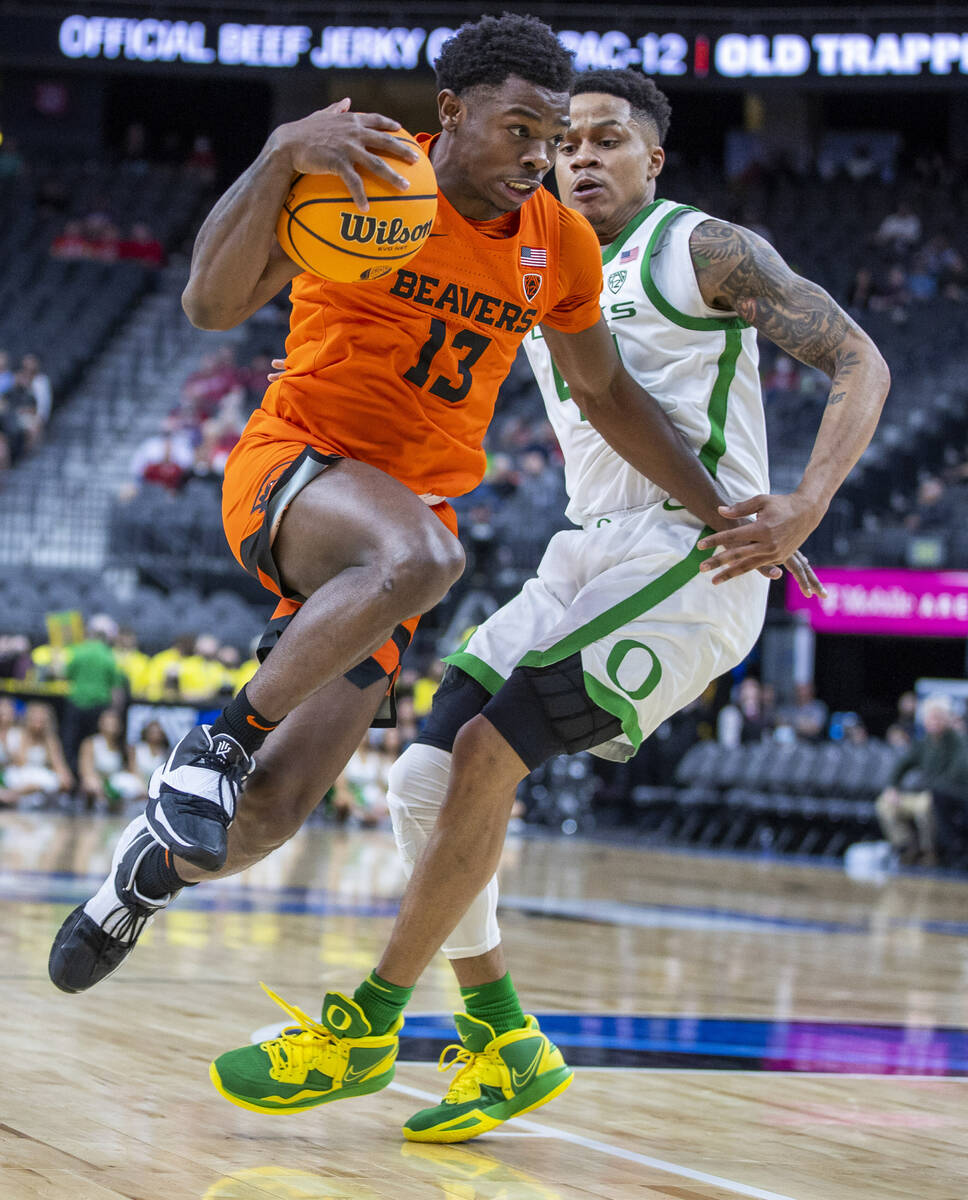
<point x="244" y="723"/>
<point x="157" y="875"/>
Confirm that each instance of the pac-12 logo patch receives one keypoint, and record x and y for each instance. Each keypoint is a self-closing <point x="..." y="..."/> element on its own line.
<point x="531" y="282"/>
<point x="616" y="280"/>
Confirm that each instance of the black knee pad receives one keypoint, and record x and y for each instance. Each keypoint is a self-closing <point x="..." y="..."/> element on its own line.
<point x="458" y="698"/>
<point x="544" y="711"/>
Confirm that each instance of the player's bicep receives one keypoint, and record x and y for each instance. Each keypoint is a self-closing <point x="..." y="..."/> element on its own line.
<point x="739" y="271"/>
<point x="587" y="360"/>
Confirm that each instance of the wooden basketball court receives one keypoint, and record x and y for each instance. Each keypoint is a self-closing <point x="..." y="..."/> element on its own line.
<point x="740" y="1029"/>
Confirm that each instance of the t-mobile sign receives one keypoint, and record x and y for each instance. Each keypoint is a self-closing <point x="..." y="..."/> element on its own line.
<point x="899" y="603"/>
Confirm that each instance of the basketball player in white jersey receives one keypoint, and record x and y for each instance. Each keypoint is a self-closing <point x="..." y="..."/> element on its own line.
<point x="623" y="625"/>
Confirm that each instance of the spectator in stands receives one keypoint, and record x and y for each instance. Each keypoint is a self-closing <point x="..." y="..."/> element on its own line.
<point x="165" y="470"/>
<point x="891" y="294"/>
<point x="900" y="230"/>
<point x="14" y="656"/>
<point x="103" y="238"/>
<point x="71" y="243"/>
<point x="930" y="776"/>
<point x="784" y="376"/>
<point x="150" y="751"/>
<point x="745" y="719"/>
<point x="9" y="721"/>
<point x="367" y="774"/>
<point x="164" y="669"/>
<point x="142" y="247"/>
<point x="201" y="676"/>
<point x="806" y="716"/>
<point x="907" y="714"/>
<point x="106" y="766"/>
<point x="218" y="437"/>
<point x="37" y="766"/>
<point x="853" y="729"/>
<point x="38" y="384"/>
<point x="95" y="682"/>
<point x="861" y="289"/>
<point x="132" y="661"/>
<point x="897" y="737"/>
<point x="540" y="485"/>
<point x="23" y="422"/>
<point x="935" y="510"/>
<point x="922" y="281"/>
<point x="11" y="433"/>
<point x="217" y="375"/>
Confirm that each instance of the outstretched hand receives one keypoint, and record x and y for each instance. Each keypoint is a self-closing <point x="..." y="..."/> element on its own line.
<point x="782" y="523"/>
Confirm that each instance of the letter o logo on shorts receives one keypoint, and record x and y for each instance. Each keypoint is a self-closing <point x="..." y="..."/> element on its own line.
<point x="618" y="655"/>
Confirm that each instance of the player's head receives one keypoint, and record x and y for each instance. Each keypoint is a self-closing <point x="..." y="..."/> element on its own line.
<point x="612" y="153"/>
<point x="503" y="107"/>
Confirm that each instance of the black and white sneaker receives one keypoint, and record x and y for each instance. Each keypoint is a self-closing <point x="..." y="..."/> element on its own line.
<point x="98" y="936"/>
<point x="191" y="799"/>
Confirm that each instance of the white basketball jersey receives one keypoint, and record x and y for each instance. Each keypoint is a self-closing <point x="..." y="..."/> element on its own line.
<point x="699" y="363"/>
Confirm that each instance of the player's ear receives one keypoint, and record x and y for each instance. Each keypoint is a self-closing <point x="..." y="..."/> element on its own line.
<point x="450" y="109"/>
<point x="656" y="161"/>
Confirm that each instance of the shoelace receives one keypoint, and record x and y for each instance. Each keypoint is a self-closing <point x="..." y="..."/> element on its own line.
<point x="463" y="1086"/>
<point x="299" y="1048"/>
<point x="129" y="926"/>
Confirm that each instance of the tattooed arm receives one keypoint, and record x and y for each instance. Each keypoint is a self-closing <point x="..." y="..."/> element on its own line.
<point x="737" y="271"/>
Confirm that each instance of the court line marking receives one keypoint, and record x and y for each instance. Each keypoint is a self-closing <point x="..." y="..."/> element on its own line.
<point x="642" y="1160"/>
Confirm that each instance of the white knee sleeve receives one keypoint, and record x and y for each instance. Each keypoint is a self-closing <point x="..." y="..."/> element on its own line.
<point x="416" y="790"/>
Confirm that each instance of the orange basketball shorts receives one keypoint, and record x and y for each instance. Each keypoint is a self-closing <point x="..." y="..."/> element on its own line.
<point x="262" y="476"/>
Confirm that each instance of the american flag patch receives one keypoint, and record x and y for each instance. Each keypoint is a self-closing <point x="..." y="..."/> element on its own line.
<point x="629" y="255"/>
<point x="533" y="256"/>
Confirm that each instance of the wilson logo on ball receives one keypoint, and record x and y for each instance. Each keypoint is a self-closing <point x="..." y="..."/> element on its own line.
<point x="357" y="228"/>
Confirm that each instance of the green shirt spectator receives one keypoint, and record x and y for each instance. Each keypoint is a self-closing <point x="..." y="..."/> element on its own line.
<point x="93" y="674"/>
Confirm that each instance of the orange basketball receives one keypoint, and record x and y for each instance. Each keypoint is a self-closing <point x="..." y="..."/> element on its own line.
<point x="323" y="231"/>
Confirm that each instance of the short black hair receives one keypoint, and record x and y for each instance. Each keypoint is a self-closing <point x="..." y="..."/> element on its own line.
<point x="490" y="50"/>
<point x="645" y="99"/>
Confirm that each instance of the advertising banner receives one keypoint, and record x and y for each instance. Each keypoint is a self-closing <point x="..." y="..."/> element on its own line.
<point x="731" y="50"/>
<point x="895" y="602"/>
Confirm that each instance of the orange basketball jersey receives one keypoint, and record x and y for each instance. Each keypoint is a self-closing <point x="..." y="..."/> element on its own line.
<point x="402" y="372"/>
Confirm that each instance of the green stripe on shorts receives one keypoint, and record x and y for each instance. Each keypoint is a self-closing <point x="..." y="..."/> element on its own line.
<point x="625" y="611"/>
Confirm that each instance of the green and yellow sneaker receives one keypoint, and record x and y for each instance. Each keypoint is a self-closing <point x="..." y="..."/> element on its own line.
<point x="310" y="1063"/>
<point x="500" y="1077"/>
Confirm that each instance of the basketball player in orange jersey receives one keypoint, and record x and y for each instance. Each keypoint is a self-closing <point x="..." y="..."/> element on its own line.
<point x="335" y="497"/>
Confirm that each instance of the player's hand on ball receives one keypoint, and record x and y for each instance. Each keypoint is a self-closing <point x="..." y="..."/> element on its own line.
<point x="335" y="141"/>
<point x="782" y="523"/>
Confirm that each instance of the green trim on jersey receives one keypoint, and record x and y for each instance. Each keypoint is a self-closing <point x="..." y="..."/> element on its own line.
<point x="609" y="252"/>
<point x="477" y="668"/>
<point x="715" y="445"/>
<point x="661" y="304"/>
<point x="608" y="622"/>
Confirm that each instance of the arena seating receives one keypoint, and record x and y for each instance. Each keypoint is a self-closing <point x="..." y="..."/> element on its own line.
<point x="802" y="798"/>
